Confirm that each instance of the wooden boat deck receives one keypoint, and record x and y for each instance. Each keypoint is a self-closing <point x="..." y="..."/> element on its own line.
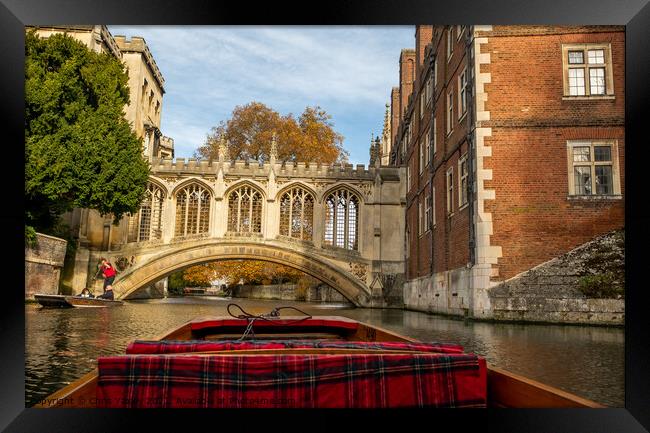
<point x="504" y="389"/>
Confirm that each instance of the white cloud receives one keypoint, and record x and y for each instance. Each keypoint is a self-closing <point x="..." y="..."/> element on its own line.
<point x="349" y="71"/>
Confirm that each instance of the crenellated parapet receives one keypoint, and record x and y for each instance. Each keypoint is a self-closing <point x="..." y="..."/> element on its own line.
<point x="272" y="178"/>
<point x="192" y="166"/>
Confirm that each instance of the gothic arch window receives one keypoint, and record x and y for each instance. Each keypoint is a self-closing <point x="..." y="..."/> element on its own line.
<point x="192" y="210"/>
<point x="297" y="214"/>
<point x="146" y="224"/>
<point x="245" y="210"/>
<point x="342" y="219"/>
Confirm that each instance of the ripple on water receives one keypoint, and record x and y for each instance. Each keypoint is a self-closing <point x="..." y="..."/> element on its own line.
<point x="63" y="344"/>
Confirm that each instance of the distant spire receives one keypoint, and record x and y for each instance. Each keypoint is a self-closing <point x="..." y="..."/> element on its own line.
<point x="387" y="117"/>
<point x="385" y="147"/>
<point x="374" y="149"/>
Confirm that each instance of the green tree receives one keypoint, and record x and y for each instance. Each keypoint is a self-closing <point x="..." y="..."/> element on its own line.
<point x="79" y="149"/>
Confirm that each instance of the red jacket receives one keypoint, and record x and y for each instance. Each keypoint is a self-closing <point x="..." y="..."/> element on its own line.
<point x="109" y="271"/>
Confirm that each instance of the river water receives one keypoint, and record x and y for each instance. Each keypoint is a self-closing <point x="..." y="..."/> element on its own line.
<point x="63" y="344"/>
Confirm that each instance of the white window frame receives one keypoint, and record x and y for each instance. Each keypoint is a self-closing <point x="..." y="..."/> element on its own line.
<point x="421" y="154"/>
<point x="449" y="176"/>
<point x="462" y="191"/>
<point x="409" y="134"/>
<point x="450" y="43"/>
<point x="450" y="111"/>
<point x="435" y="74"/>
<point x="462" y="94"/>
<point x="433" y="206"/>
<point x="427" y="212"/>
<point x="586" y="66"/>
<point x="459" y="31"/>
<point x="616" y="177"/>
<point x="420" y="218"/>
<point x="427" y="144"/>
<point x="429" y="89"/>
<point x="423" y="102"/>
<point x="435" y="135"/>
<point x="408" y="175"/>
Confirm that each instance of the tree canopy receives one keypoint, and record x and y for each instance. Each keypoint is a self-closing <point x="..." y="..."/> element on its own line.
<point x="247" y="271"/>
<point x="250" y="129"/>
<point x="79" y="149"/>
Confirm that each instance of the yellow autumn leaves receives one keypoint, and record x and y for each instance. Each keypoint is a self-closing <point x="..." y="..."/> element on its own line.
<point x="244" y="271"/>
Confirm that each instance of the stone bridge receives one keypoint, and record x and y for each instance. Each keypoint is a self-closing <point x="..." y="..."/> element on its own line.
<point x="339" y="223"/>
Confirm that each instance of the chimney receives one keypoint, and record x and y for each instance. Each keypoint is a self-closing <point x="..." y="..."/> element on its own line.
<point x="407" y="76"/>
<point x="423" y="37"/>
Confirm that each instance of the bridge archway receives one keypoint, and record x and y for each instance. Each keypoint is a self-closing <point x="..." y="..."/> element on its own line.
<point x="183" y="256"/>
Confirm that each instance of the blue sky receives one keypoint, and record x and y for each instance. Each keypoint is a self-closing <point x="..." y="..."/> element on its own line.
<point x="347" y="70"/>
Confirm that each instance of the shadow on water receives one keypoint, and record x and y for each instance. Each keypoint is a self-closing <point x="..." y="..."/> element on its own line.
<point x="63" y="344"/>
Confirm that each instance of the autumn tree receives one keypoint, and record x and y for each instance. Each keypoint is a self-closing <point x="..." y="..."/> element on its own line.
<point x="199" y="275"/>
<point x="246" y="271"/>
<point x="80" y="151"/>
<point x="249" y="132"/>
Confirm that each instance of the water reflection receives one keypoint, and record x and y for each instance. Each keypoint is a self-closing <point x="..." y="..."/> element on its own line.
<point x="61" y="345"/>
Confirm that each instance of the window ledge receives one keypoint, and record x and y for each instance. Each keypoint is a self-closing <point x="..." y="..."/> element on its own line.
<point x="595" y="197"/>
<point x="462" y="116"/>
<point x="334" y="248"/>
<point x="463" y="206"/>
<point x="588" y="98"/>
<point x="298" y="241"/>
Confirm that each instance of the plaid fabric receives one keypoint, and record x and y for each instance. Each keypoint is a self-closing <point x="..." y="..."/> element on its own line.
<point x="296" y="323"/>
<point x="170" y="346"/>
<point x="296" y="381"/>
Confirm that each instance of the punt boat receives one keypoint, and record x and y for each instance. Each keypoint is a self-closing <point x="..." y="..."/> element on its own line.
<point x="300" y="361"/>
<point x="63" y="301"/>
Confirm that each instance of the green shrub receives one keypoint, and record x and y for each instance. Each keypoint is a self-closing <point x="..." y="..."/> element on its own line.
<point x="603" y="270"/>
<point x="605" y="285"/>
<point x="31" y="240"/>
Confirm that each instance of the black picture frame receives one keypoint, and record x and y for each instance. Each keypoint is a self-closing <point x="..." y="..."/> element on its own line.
<point x="634" y="14"/>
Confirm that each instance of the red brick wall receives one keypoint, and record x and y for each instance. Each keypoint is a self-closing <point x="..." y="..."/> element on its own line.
<point x="533" y="219"/>
<point x="451" y="233"/>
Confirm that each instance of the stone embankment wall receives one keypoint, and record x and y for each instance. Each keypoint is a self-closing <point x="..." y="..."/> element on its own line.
<point x="443" y="293"/>
<point x="551" y="291"/>
<point x="287" y="292"/>
<point x="43" y="265"/>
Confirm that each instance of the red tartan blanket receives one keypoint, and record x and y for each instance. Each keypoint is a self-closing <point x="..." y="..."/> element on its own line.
<point x="337" y="323"/>
<point x="170" y="346"/>
<point x="295" y="381"/>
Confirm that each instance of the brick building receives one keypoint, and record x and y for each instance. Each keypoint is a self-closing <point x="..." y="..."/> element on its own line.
<point x="513" y="140"/>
